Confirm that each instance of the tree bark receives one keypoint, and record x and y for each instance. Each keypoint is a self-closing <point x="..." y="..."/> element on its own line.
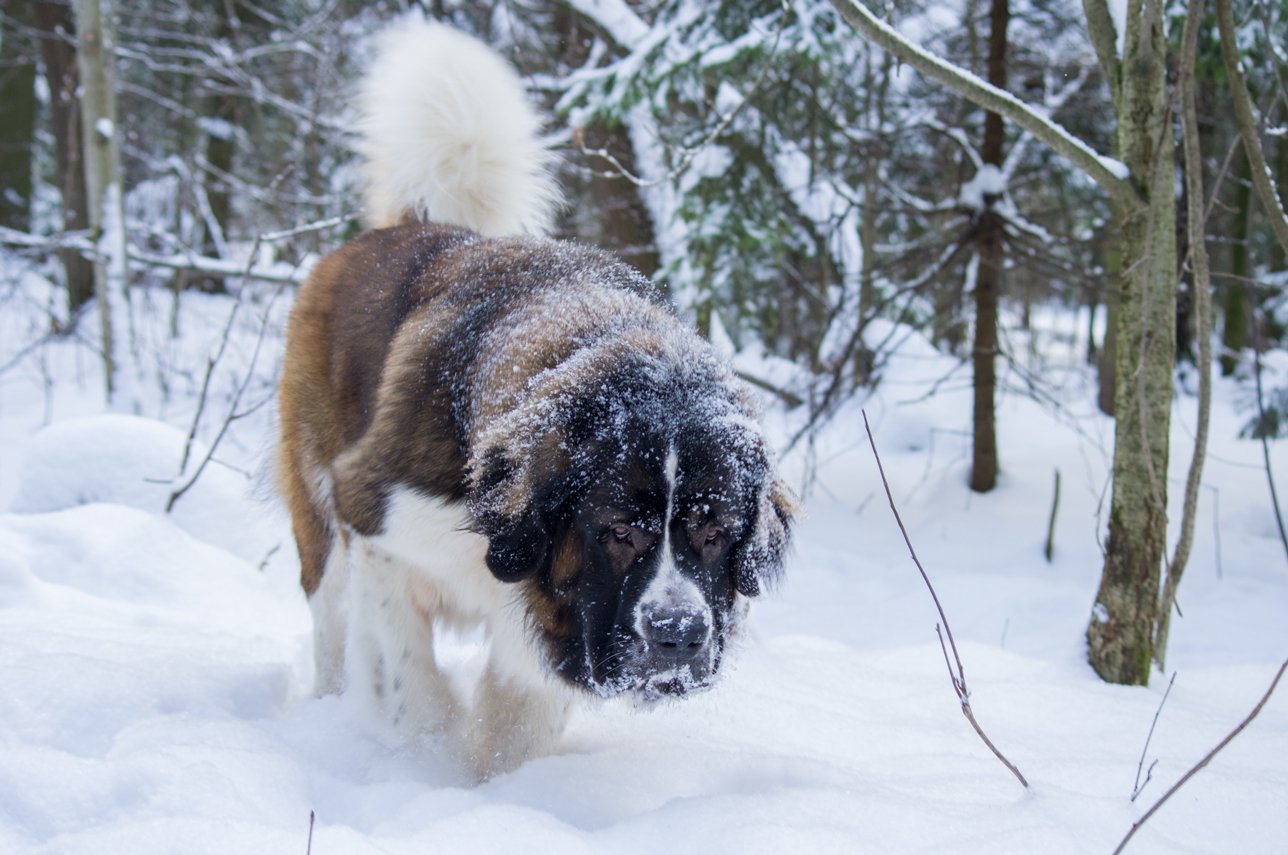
<point x="18" y="130"/>
<point x="103" y="180"/>
<point x="58" y="51"/>
<point x="988" y="280"/>
<point x="1202" y="290"/>
<point x="1236" y="308"/>
<point x="1121" y="632"/>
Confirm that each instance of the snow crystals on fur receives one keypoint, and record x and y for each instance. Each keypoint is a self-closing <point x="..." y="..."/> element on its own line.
<point x="448" y="135"/>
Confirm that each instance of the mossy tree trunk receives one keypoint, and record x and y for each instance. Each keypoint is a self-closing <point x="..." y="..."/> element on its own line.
<point x="1121" y="632"/>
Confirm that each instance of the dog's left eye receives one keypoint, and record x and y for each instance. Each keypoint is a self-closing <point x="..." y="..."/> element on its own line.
<point x="709" y="540"/>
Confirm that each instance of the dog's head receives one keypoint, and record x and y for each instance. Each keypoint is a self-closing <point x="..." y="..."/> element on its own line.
<point x="638" y="513"/>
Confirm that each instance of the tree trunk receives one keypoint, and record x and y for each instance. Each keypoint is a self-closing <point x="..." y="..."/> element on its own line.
<point x="18" y="130"/>
<point x="59" y="53"/>
<point x="102" y="161"/>
<point x="1235" y="305"/>
<point x="1106" y="365"/>
<point x="1121" y="632"/>
<point x="988" y="280"/>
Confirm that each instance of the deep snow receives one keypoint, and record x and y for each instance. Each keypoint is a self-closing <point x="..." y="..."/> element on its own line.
<point x="156" y="667"/>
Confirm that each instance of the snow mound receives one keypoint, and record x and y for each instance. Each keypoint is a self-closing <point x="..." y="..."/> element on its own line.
<point x="134" y="461"/>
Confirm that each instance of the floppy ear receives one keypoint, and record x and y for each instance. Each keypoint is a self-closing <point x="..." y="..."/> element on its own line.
<point x="758" y="559"/>
<point x="512" y="502"/>
<point x="520" y="549"/>
<point x="504" y="512"/>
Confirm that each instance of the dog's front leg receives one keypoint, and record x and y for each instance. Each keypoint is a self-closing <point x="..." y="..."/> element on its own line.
<point x="392" y="614"/>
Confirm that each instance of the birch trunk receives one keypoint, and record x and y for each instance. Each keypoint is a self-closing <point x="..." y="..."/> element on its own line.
<point x="102" y="162"/>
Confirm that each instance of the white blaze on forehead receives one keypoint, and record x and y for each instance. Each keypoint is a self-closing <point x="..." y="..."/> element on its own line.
<point x="669" y="588"/>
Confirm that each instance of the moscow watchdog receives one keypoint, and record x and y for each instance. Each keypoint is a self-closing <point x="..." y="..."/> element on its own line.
<point x="485" y="428"/>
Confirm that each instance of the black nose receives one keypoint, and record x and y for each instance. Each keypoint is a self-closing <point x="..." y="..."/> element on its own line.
<point x="677" y="632"/>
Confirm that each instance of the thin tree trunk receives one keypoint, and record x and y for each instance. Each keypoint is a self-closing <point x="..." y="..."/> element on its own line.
<point x="57" y="30"/>
<point x="102" y="161"/>
<point x="988" y="281"/>
<point x="18" y="130"/>
<point x="1107" y="363"/>
<point x="1121" y="631"/>
<point x="1202" y="290"/>
<point x="1236" y="308"/>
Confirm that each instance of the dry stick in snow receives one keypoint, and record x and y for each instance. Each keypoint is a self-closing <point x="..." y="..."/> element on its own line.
<point x="959" y="677"/>
<point x="1055" y="506"/>
<point x="1206" y="759"/>
<point x="1265" y="442"/>
<point x="1138" y="787"/>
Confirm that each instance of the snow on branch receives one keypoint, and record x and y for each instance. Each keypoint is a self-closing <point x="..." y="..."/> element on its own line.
<point x="1262" y="178"/>
<point x="221" y="267"/>
<point x="1105" y="171"/>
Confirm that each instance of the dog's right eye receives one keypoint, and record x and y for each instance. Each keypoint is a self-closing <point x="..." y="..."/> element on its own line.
<point x="622" y="533"/>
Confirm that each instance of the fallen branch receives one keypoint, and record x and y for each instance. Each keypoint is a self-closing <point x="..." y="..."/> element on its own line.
<point x="1206" y="759"/>
<point x="959" y="676"/>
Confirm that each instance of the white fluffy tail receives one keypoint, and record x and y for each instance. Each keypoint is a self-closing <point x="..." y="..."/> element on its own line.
<point x="448" y="135"/>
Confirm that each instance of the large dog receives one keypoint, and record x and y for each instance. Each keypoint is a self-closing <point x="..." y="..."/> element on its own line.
<point x="486" y="429"/>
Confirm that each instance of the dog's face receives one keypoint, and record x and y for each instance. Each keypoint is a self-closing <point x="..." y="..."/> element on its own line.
<point x="637" y="550"/>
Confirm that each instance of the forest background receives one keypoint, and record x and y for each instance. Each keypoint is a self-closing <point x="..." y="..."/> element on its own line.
<point x="807" y="180"/>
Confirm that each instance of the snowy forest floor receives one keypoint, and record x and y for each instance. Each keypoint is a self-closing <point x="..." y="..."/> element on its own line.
<point x="156" y="668"/>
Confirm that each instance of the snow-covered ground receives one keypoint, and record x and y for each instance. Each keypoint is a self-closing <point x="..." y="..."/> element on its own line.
<point x="155" y="668"/>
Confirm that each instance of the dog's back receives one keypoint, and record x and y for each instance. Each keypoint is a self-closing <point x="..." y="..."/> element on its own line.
<point x="450" y="152"/>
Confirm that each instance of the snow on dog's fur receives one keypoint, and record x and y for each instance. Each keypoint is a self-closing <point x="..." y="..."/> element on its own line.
<point x="481" y="429"/>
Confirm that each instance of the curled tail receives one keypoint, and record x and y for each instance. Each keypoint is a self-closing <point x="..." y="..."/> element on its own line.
<point x="448" y="136"/>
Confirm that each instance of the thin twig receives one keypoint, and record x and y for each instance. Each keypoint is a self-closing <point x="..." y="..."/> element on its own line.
<point x="1138" y="787"/>
<point x="237" y="394"/>
<point x="1265" y="442"/>
<point x="312" y="820"/>
<point x="1206" y="759"/>
<point x="959" y="676"/>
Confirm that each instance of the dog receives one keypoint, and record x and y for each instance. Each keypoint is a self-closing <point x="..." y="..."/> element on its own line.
<point x="485" y="428"/>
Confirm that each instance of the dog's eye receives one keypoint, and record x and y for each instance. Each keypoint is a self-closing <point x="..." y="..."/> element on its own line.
<point x="622" y="533"/>
<point x="714" y="534"/>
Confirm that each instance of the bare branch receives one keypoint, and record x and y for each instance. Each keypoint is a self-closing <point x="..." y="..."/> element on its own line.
<point x="1104" y="38"/>
<point x="958" y="677"/>
<point x="1206" y="759"/>
<point x="1242" y="103"/>
<point x="991" y="98"/>
<point x="1265" y="444"/>
<point x="189" y="261"/>
<point x="1138" y="787"/>
<point x="1201" y="283"/>
<point x="237" y="395"/>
